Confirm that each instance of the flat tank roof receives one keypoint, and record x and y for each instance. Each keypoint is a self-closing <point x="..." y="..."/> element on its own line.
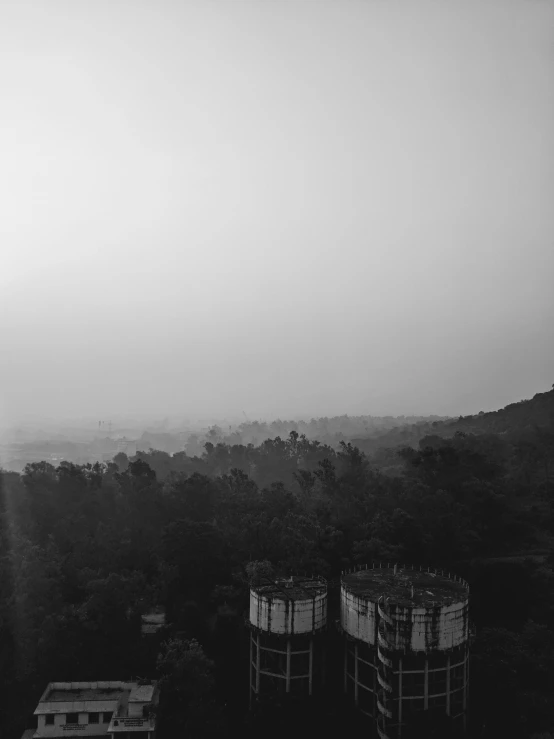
<point x="291" y="588"/>
<point x="407" y="587"/>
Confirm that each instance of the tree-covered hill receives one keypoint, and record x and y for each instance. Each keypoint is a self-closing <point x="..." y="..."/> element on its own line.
<point x="515" y="420"/>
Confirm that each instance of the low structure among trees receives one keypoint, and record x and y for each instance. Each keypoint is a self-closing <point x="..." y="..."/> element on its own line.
<point x="95" y="709"/>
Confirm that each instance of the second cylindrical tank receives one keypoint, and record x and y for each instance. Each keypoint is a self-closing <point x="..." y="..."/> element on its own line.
<point x="407" y="638"/>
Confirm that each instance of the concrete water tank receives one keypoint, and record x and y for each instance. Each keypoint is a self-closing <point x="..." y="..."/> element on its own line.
<point x="287" y="618"/>
<point x="406" y="644"/>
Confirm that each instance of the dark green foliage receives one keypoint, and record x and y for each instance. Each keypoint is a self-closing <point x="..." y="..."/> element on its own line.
<point x="86" y="549"/>
<point x="187" y="684"/>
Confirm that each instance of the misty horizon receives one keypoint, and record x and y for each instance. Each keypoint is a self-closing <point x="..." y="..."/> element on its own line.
<point x="292" y="210"/>
<point x="174" y="421"/>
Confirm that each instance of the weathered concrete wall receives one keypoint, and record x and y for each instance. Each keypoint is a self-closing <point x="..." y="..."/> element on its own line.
<point x="281" y="616"/>
<point x="358" y="616"/>
<point x="427" y="630"/>
<point x="417" y="629"/>
<point x="61" y="727"/>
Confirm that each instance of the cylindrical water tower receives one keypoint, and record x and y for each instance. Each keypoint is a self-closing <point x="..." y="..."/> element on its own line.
<point x="407" y="645"/>
<point x="287" y="619"/>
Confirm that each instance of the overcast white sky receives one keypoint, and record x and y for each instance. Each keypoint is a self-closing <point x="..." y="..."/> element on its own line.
<point x="285" y="207"/>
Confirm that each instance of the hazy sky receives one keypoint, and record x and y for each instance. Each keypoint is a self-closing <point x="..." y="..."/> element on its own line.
<point x="279" y="206"/>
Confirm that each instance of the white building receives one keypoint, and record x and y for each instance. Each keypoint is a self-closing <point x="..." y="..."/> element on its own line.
<point x="153" y="621"/>
<point x="96" y="709"/>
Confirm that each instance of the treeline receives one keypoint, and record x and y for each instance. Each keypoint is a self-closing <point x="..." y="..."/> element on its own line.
<point x="84" y="550"/>
<point x="372" y="434"/>
<point x="326" y="430"/>
<point x="330" y="431"/>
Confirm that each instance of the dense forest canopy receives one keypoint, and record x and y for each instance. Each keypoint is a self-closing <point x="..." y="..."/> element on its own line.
<point x="86" y="549"/>
<point x="82" y="444"/>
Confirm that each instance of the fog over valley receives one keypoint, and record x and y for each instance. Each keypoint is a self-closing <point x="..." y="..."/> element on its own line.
<point x="198" y="223"/>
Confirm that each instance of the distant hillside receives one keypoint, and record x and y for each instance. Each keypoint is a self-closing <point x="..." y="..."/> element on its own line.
<point x="515" y="420"/>
<point x="526" y="414"/>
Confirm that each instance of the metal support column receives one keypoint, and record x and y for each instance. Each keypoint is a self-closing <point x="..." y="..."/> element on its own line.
<point x="311" y="670"/>
<point x="448" y="686"/>
<point x="288" y="666"/>
<point x="257" y="663"/>
<point x="426" y="685"/>
<point x="465" y="683"/>
<point x="323" y="663"/>
<point x="250" y="683"/>
<point x="400" y="696"/>
<point x="356" y="674"/>
<point x="466" y="680"/>
<point x="345" y="666"/>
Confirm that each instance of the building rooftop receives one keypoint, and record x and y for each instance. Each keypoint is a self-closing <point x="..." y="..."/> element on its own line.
<point x="156" y="617"/>
<point x="292" y="588"/>
<point x="141" y="694"/>
<point x="407" y="587"/>
<point x="93" y="697"/>
<point x="153" y="621"/>
<point x="83" y="694"/>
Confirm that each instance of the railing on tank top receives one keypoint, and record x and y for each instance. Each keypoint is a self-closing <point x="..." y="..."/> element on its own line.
<point x="398" y="566"/>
